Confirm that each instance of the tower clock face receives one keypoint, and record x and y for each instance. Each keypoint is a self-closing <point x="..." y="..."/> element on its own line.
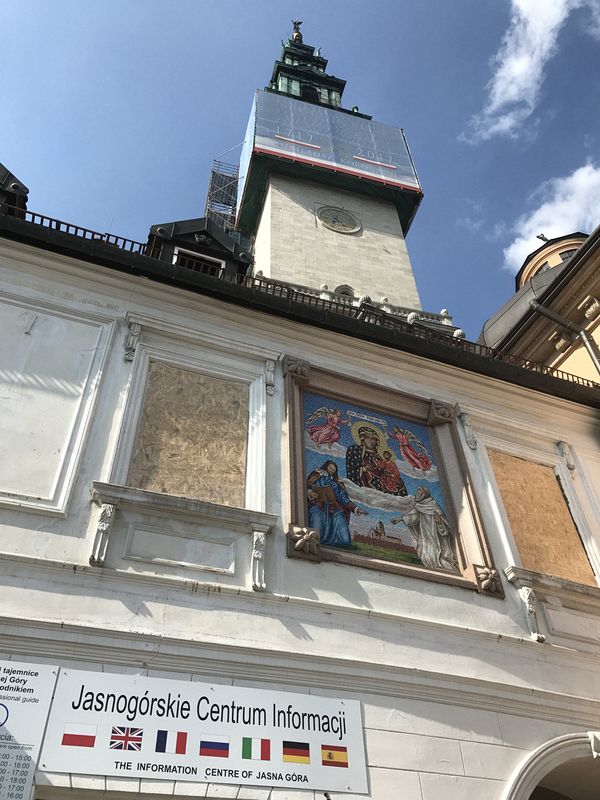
<point x="330" y="138"/>
<point x="338" y="219"/>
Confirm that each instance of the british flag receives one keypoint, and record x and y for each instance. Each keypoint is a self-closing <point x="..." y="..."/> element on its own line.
<point x="126" y="739"/>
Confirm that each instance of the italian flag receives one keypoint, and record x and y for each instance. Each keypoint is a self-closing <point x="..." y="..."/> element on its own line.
<point x="256" y="749"/>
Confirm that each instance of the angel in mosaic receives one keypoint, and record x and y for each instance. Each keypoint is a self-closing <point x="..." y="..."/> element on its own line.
<point x="412" y="449"/>
<point x="327" y="432"/>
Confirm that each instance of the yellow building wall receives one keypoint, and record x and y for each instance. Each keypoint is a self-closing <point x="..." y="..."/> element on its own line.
<point x="580" y="363"/>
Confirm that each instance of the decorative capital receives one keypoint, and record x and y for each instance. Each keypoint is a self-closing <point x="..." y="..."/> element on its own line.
<point x="488" y="580"/>
<point x="259" y="544"/>
<point x="590" y="307"/>
<point x="465" y="420"/>
<point x="564" y="452"/>
<point x="131" y="341"/>
<point x="297" y="369"/>
<point x="270" y="377"/>
<point x="103" y="528"/>
<point x="560" y="340"/>
<point x="303" y="543"/>
<point x="530" y="602"/>
<point x="440" y="413"/>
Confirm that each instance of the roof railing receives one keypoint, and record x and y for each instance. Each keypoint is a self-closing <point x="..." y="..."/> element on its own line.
<point x="130" y="245"/>
<point x="365" y="312"/>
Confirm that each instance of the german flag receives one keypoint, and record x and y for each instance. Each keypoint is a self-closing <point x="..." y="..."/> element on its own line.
<point x="333" y="755"/>
<point x="296" y="752"/>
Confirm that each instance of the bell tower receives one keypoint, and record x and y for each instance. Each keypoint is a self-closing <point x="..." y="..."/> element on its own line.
<point x="327" y="193"/>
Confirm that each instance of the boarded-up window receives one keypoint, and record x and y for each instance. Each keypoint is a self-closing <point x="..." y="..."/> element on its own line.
<point x="192" y="436"/>
<point x="540" y="520"/>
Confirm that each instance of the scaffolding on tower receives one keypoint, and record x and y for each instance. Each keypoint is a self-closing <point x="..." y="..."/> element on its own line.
<point x="221" y="199"/>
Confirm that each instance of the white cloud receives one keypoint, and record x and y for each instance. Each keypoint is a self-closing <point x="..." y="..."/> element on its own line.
<point x="528" y="44"/>
<point x="497" y="232"/>
<point x="334" y="450"/>
<point x="470" y="223"/>
<point x="569" y="204"/>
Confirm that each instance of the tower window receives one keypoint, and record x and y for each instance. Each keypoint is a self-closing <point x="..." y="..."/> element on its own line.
<point x="198" y="262"/>
<point x="310" y="93"/>
<point x="288" y="85"/>
<point x="566" y="254"/>
<point x="334" y="98"/>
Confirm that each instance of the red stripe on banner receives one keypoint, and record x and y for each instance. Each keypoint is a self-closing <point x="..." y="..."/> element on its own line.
<point x="265" y="749"/>
<point x="333" y="167"/>
<point x="335" y="748"/>
<point x="297" y="141"/>
<point x="377" y="163"/>
<point x="325" y="763"/>
<point x="181" y="742"/>
<point x="78" y="740"/>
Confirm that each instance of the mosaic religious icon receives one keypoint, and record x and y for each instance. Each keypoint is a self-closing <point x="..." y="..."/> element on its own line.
<point x="372" y="485"/>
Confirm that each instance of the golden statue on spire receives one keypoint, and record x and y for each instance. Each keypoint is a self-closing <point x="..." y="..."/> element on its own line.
<point x="296" y="34"/>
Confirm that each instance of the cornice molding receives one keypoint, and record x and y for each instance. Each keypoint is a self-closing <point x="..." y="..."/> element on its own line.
<point x="140" y="583"/>
<point x="116" y="494"/>
<point x="576" y="596"/>
<point x="57" y="643"/>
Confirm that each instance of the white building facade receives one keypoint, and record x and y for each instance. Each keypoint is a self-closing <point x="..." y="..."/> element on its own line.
<point x="156" y="525"/>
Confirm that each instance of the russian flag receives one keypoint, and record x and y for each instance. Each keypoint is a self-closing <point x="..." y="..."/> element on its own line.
<point x="214" y="746"/>
<point x="77" y="735"/>
<point x="171" y="742"/>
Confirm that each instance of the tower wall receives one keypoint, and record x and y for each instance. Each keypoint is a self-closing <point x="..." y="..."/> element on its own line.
<point x="292" y="244"/>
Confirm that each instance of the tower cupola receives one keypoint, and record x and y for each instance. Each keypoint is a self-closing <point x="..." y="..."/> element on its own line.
<point x="300" y="72"/>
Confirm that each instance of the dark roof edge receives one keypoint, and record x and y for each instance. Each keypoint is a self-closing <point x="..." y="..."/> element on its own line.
<point x="182" y="227"/>
<point x="10" y="183"/>
<point x="448" y="352"/>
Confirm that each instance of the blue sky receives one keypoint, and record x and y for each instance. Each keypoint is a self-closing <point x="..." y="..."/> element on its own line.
<point x="112" y="111"/>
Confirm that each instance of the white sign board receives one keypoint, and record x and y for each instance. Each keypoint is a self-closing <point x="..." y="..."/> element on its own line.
<point x="25" y="695"/>
<point x="103" y="724"/>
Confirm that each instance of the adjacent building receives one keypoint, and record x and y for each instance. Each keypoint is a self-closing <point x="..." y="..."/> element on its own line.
<point x="265" y="516"/>
<point x="554" y="317"/>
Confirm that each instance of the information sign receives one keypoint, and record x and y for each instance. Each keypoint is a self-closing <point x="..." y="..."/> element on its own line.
<point x="25" y="695"/>
<point x="103" y="724"/>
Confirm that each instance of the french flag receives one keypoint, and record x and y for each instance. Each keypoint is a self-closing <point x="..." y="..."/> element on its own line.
<point x="171" y="742"/>
<point x="79" y="735"/>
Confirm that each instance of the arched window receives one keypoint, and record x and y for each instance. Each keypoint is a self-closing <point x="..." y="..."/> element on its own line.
<point x="549" y="771"/>
<point x="344" y="290"/>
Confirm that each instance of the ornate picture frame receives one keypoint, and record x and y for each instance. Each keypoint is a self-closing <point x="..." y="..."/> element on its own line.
<point x="380" y="481"/>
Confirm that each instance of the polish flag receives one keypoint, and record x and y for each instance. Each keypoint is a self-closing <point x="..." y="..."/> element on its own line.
<point x="79" y="735"/>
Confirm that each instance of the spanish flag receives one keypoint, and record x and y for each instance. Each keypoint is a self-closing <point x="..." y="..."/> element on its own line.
<point x="296" y="752"/>
<point x="333" y="755"/>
